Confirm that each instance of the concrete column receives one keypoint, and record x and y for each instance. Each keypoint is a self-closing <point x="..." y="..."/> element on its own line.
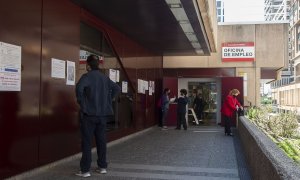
<point x="257" y="86"/>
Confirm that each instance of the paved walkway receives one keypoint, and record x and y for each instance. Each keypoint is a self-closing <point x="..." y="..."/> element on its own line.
<point x="196" y="154"/>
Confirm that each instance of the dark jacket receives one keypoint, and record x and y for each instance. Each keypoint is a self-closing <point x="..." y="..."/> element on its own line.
<point x="181" y="104"/>
<point x="199" y="103"/>
<point x="94" y="92"/>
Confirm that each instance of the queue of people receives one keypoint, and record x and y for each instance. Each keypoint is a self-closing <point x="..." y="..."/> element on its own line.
<point x="95" y="93"/>
<point x="228" y="109"/>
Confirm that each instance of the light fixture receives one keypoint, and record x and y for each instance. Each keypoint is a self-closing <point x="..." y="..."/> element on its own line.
<point x="199" y="51"/>
<point x="196" y="45"/>
<point x="180" y="15"/>
<point x="175" y="5"/>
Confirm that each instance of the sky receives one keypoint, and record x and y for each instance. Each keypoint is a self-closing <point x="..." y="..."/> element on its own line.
<point x="243" y="10"/>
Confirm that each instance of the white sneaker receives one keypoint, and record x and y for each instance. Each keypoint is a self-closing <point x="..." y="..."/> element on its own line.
<point x="101" y="170"/>
<point x="86" y="174"/>
<point x="164" y="128"/>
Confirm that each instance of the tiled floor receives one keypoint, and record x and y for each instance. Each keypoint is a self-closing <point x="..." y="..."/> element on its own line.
<point x="201" y="152"/>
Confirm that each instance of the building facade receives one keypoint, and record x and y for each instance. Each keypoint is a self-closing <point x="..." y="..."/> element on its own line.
<point x="285" y="91"/>
<point x="141" y="43"/>
<point x="43" y="48"/>
<point x="270" y="56"/>
<point x="220" y="10"/>
<point x="277" y="10"/>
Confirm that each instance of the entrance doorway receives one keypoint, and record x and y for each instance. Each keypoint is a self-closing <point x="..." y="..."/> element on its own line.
<point x="208" y="90"/>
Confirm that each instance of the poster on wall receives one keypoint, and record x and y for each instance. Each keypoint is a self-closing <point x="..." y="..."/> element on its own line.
<point x="58" y="68"/>
<point x="151" y="87"/>
<point x="146" y="85"/>
<point x="238" y="52"/>
<point x="10" y="67"/>
<point x="113" y="75"/>
<point x="83" y="55"/>
<point x="118" y="76"/>
<point x="124" y="87"/>
<point x="141" y="86"/>
<point x="70" y="73"/>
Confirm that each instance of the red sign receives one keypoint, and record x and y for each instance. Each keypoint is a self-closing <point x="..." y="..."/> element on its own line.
<point x="232" y="52"/>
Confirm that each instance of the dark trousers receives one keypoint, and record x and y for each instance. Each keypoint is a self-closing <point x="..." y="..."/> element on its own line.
<point x="227" y="120"/>
<point x="199" y="113"/>
<point x="91" y="126"/>
<point x="181" y="120"/>
<point x="164" y="117"/>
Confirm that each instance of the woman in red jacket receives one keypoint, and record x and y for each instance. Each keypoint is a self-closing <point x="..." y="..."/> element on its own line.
<point x="230" y="105"/>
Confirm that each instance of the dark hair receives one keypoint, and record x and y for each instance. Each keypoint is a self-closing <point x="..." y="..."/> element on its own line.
<point x="183" y="91"/>
<point x="166" y="90"/>
<point x="93" y="61"/>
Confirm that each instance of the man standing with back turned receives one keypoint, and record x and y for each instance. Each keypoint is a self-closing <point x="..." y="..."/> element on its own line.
<point x="94" y="92"/>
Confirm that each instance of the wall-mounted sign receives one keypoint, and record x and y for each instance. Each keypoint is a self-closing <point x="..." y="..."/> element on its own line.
<point x="58" y="68"/>
<point x="10" y="67"/>
<point x="70" y="73"/>
<point x="236" y="52"/>
<point x="84" y="54"/>
<point x="124" y="87"/>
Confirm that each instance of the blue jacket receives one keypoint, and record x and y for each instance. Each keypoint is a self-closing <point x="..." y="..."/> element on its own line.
<point x="94" y="92"/>
<point x="165" y="102"/>
<point x="181" y="104"/>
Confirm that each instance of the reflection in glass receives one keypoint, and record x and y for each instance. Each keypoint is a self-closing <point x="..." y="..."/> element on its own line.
<point x="93" y="41"/>
<point x="208" y="92"/>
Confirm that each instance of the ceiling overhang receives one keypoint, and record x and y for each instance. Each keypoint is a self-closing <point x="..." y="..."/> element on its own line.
<point x="167" y="27"/>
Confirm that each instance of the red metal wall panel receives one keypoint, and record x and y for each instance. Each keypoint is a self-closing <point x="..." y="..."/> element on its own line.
<point x="138" y="63"/>
<point x="39" y="124"/>
<point x="19" y="111"/>
<point x="199" y="72"/>
<point x="59" y="135"/>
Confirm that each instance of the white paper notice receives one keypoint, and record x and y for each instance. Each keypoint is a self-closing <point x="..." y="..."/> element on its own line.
<point x="124" y="87"/>
<point x="151" y="87"/>
<point x="141" y="88"/>
<point x="70" y="73"/>
<point x="58" y="68"/>
<point x="118" y="76"/>
<point x="113" y="75"/>
<point x="10" y="67"/>
<point x="146" y="85"/>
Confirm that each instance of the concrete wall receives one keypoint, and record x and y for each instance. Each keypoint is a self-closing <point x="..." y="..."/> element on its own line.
<point x="264" y="158"/>
<point x="270" y="53"/>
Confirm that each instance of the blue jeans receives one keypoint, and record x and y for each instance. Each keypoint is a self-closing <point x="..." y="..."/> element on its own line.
<point x="91" y="126"/>
<point x="164" y="116"/>
<point x="181" y="120"/>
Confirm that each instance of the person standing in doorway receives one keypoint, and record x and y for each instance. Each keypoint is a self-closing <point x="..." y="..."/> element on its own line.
<point x="230" y="105"/>
<point x="199" y="106"/>
<point x="95" y="93"/>
<point x="182" y="101"/>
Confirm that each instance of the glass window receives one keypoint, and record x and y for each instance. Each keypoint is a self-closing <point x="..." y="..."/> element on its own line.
<point x="93" y="41"/>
